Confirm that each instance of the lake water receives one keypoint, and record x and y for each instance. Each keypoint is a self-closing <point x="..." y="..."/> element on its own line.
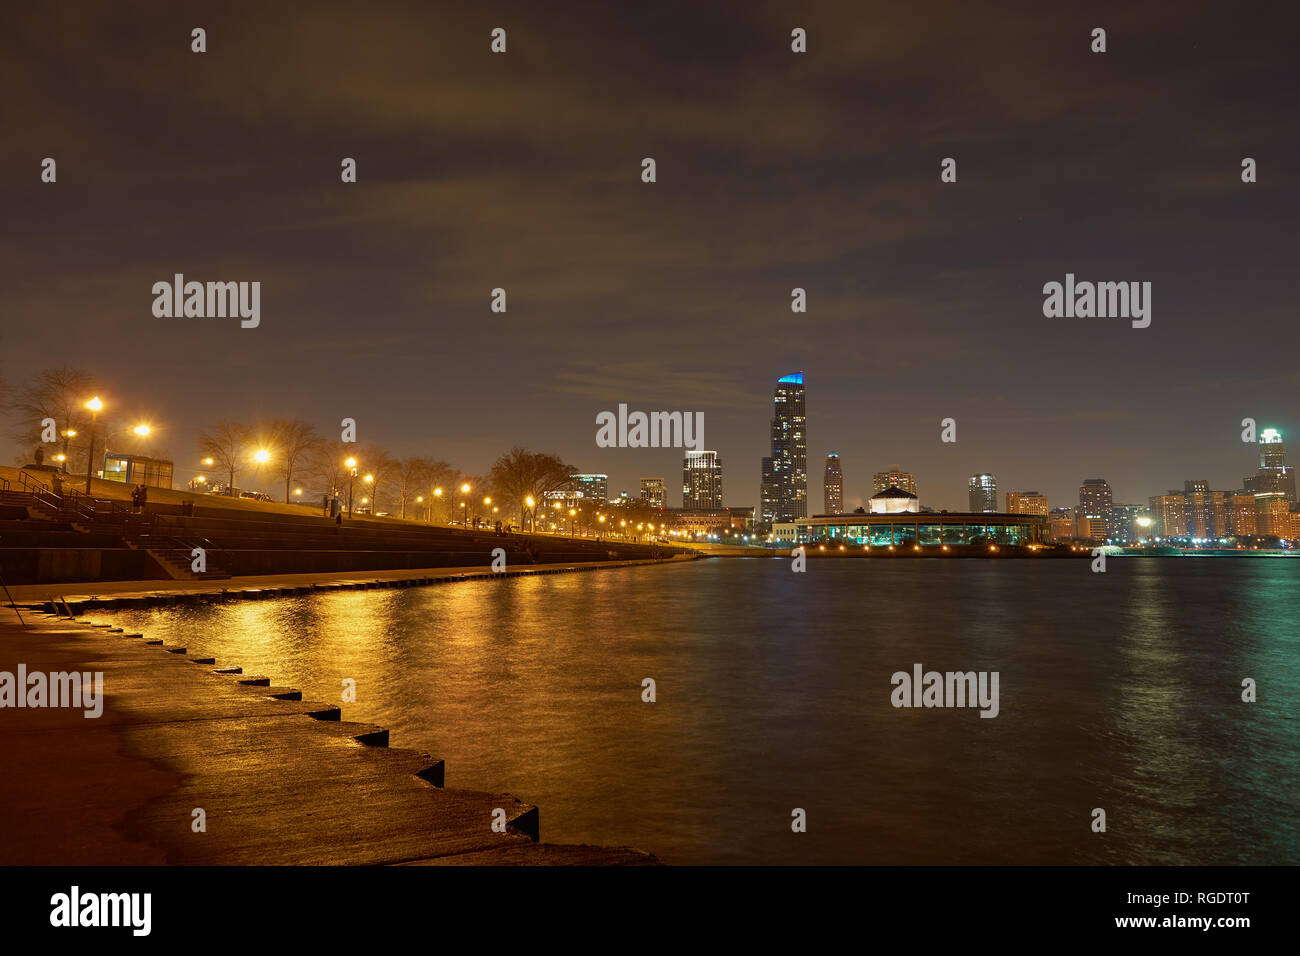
<point x="1119" y="690"/>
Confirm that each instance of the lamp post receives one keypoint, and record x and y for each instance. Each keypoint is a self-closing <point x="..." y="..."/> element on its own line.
<point x="464" y="515"/>
<point x="351" y="463"/>
<point x="370" y="480"/>
<point x="437" y="493"/>
<point x="94" y="405"/>
<point x="529" y="502"/>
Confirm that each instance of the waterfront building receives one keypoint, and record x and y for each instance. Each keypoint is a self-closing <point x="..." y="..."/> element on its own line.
<point x="1275" y="476"/>
<point x="1061" y="523"/>
<point x="933" y="530"/>
<point x="1127" y="527"/>
<point x="1090" y="528"/>
<point x="1026" y="503"/>
<point x="785" y="474"/>
<point x="1169" y="515"/>
<point x="894" y="501"/>
<point x="1197" y="507"/>
<point x="1096" y="501"/>
<point x="654" y="492"/>
<point x="894" y="477"/>
<point x="1273" y="515"/>
<point x="833" y="486"/>
<point x="983" y="491"/>
<point x="1242" y="513"/>
<point x="702" y="480"/>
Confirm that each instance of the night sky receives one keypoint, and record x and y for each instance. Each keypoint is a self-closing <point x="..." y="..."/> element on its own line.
<point x="775" y="170"/>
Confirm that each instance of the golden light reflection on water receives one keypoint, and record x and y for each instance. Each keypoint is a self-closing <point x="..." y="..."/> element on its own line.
<point x="773" y="693"/>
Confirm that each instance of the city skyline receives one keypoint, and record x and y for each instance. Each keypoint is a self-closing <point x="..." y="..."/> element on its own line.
<point x="232" y="172"/>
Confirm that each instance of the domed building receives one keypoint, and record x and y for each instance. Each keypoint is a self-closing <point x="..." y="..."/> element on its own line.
<point x="894" y="500"/>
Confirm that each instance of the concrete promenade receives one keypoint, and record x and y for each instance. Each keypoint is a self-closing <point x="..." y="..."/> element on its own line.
<point x="280" y="780"/>
<point x="91" y="594"/>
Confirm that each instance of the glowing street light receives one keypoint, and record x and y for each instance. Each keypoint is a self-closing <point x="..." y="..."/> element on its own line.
<point x="141" y="430"/>
<point x="95" y="406"/>
<point x="351" y="464"/>
<point x="261" y="456"/>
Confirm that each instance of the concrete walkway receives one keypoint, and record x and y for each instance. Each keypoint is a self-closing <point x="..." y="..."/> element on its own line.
<point x="89" y="594"/>
<point x="281" y="780"/>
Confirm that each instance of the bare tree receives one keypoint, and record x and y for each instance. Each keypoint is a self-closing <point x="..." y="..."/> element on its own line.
<point x="380" y="466"/>
<point x="224" y="444"/>
<point x="292" y="444"/>
<point x="59" y="393"/>
<point x="412" y="479"/>
<point x="519" y="475"/>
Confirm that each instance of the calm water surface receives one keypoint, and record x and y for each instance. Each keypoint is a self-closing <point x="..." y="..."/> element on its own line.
<point x="1118" y="690"/>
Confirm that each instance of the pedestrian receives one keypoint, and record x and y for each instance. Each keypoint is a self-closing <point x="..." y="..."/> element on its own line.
<point x="135" y="499"/>
<point x="338" y="522"/>
<point x="144" y="496"/>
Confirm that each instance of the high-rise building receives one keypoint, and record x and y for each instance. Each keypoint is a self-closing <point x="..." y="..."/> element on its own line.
<point x="1241" y="512"/>
<point x="702" y="480"/>
<point x="1275" y="476"/>
<point x="983" y="493"/>
<point x="1026" y="503"/>
<point x="769" y="490"/>
<point x="783" y="496"/>
<point x="590" y="487"/>
<point x="653" y="492"/>
<point x="1272" y="515"/>
<point x="1096" y="501"/>
<point x="1200" y="514"/>
<point x="833" y="486"/>
<point x="1127" y="526"/>
<point x="894" y="477"/>
<point x="1090" y="528"/>
<point x="1169" y="515"/>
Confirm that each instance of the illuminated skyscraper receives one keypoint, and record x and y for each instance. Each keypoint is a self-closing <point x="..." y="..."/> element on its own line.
<point x="590" y="487"/>
<point x="983" y="493"/>
<point x="833" y="486"/>
<point x="894" y="477"/>
<point x="702" y="480"/>
<point x="784" y="494"/>
<point x="1096" y="501"/>
<point x="1275" y="477"/>
<point x="1026" y="503"/>
<point x="653" y="492"/>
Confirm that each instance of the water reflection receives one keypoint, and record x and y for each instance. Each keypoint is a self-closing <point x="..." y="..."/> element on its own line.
<point x="1118" y="690"/>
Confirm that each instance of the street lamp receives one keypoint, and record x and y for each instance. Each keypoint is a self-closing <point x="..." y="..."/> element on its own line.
<point x="532" y="515"/>
<point x="437" y="493"/>
<point x="464" y="515"/>
<point x="351" y="464"/>
<point x="141" y="430"/>
<point x="95" y="405"/>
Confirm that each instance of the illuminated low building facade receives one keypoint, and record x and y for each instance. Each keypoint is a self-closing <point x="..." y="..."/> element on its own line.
<point x="925" y="530"/>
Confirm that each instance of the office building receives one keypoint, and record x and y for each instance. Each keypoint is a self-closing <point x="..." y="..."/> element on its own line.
<point x="983" y="491"/>
<point x="784" y="493"/>
<point x="1026" y="503"/>
<point x="894" y="477"/>
<point x="654" y="492"/>
<point x="702" y="481"/>
<point x="833" y="486"/>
